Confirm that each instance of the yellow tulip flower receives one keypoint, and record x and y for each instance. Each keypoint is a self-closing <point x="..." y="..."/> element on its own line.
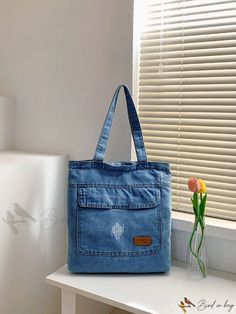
<point x="203" y="188"/>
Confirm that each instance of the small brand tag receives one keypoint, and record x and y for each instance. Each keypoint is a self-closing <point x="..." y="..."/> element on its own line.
<point x="142" y="240"/>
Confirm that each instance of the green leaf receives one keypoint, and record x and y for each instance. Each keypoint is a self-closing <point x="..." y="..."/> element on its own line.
<point x="202" y="206"/>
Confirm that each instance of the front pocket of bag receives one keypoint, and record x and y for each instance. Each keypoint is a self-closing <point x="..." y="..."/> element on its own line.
<point x="118" y="220"/>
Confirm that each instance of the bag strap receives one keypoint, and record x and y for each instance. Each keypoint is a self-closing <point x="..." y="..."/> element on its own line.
<point x="134" y="125"/>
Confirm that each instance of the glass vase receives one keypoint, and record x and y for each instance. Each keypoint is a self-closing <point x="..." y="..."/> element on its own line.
<point x="197" y="252"/>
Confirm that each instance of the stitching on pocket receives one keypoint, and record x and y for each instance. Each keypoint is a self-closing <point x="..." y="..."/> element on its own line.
<point x="83" y="201"/>
<point x="153" y="250"/>
<point x="81" y="195"/>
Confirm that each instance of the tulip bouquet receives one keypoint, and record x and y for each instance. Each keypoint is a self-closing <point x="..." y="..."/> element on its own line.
<point x="198" y="187"/>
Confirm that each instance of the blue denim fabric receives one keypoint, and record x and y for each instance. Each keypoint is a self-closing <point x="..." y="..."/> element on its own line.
<point x="110" y="204"/>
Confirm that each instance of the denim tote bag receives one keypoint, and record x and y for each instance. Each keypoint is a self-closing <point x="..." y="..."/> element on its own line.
<point x="119" y="212"/>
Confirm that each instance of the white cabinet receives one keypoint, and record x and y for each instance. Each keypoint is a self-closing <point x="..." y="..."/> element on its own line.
<point x="32" y="230"/>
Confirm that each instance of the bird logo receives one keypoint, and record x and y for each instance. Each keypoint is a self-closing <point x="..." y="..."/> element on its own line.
<point x="187" y="301"/>
<point x="20" y="215"/>
<point x="23" y="213"/>
<point x="185" y="304"/>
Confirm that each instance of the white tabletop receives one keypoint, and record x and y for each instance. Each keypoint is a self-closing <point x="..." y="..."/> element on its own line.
<point x="155" y="293"/>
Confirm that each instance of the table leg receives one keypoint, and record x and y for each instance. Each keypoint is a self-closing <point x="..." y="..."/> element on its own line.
<point x="68" y="302"/>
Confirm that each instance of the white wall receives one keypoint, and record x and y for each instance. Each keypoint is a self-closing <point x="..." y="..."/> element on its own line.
<point x="6" y="122"/>
<point x="62" y="61"/>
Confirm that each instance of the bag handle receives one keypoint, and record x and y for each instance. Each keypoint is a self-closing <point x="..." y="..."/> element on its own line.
<point x="134" y="125"/>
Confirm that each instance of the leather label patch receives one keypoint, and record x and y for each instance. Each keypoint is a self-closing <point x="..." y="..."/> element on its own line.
<point x="142" y="241"/>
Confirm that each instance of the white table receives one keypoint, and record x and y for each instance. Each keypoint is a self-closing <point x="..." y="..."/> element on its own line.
<point x="148" y="294"/>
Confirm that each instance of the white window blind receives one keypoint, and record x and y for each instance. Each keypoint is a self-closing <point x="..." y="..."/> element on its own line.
<point x="187" y="96"/>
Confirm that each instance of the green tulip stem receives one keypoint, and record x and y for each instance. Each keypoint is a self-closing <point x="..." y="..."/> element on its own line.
<point x="202" y="235"/>
<point x="199" y="220"/>
<point x="196" y="255"/>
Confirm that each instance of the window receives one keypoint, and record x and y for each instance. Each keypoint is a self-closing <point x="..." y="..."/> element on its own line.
<point x="186" y="91"/>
